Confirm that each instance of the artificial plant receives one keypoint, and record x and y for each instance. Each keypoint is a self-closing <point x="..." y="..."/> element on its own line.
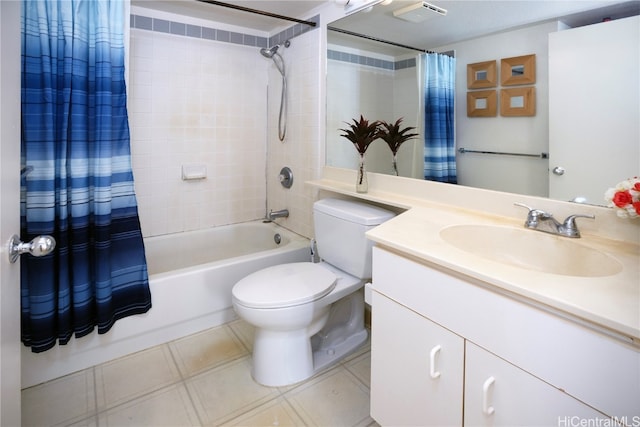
<point x="394" y="137"/>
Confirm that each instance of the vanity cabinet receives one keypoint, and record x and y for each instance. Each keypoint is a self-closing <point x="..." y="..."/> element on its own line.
<point x="498" y="393"/>
<point x="497" y="359"/>
<point x="416" y="368"/>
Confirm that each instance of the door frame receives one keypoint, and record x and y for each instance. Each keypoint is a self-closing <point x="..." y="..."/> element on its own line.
<point x="10" y="347"/>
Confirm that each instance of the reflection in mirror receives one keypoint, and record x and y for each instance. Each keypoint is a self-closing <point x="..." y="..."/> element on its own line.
<point x="379" y="87"/>
<point x="349" y="93"/>
<point x="517" y="70"/>
<point x="517" y="102"/>
<point x="482" y="103"/>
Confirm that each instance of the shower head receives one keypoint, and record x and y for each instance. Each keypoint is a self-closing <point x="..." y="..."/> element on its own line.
<point x="268" y="53"/>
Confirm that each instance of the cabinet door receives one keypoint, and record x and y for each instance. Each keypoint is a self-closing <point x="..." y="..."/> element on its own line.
<point x="416" y="368"/>
<point x="499" y="394"/>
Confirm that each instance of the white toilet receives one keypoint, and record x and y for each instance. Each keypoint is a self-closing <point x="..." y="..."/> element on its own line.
<point x="309" y="315"/>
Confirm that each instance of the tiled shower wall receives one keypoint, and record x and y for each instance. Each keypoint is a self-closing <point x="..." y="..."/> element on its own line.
<point x="196" y="101"/>
<point x="302" y="148"/>
<point x="203" y="101"/>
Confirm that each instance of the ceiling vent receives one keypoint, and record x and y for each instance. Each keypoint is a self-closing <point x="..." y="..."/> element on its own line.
<point x="419" y="12"/>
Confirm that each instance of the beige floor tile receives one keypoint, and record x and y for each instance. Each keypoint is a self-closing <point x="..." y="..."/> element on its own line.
<point x="132" y="376"/>
<point x="277" y="412"/>
<point x="206" y="350"/>
<point x="169" y="406"/>
<point x="244" y="331"/>
<point x="364" y="348"/>
<point x="146" y="388"/>
<point x="334" y="399"/>
<point x="228" y="391"/>
<point x="62" y="401"/>
<point x="361" y="368"/>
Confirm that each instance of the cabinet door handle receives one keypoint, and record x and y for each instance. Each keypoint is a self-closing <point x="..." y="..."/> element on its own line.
<point x="486" y="408"/>
<point x="432" y="361"/>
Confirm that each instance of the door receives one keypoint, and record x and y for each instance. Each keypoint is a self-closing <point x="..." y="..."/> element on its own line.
<point x="9" y="212"/>
<point x="583" y="129"/>
<point x="497" y="393"/>
<point x="416" y="368"/>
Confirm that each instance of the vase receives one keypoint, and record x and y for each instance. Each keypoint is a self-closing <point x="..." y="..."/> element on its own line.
<point x="395" y="164"/>
<point x="362" y="186"/>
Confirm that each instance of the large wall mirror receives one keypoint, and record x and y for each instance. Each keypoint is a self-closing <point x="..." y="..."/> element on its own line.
<point x="380" y="77"/>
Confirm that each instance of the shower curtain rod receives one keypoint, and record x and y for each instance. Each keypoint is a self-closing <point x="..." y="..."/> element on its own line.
<point x="351" y="33"/>
<point x="258" y="12"/>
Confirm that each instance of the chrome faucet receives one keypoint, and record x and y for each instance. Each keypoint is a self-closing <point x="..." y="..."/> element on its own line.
<point x="277" y="214"/>
<point x="543" y="221"/>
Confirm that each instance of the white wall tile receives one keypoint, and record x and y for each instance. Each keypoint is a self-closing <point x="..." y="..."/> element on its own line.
<point x="195" y="100"/>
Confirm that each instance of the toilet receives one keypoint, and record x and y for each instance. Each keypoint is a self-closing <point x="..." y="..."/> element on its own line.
<point x="308" y="315"/>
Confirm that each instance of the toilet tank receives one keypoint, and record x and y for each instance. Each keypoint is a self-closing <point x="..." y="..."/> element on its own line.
<point x="340" y="226"/>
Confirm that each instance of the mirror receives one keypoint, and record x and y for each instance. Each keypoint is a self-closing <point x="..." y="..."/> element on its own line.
<point x="478" y="35"/>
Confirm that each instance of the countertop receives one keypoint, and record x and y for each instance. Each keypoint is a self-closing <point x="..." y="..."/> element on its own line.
<point x="610" y="303"/>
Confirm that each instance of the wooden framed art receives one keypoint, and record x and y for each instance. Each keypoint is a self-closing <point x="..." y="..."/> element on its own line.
<point x="482" y="75"/>
<point x="482" y="103"/>
<point x="519" y="70"/>
<point x="518" y="102"/>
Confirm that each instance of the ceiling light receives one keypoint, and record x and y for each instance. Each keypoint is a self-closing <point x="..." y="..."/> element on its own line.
<point x="419" y="12"/>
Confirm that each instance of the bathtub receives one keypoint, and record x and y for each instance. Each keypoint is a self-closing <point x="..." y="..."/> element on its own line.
<point x="190" y="276"/>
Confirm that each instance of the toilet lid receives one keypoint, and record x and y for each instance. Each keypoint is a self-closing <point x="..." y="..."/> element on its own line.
<point x="284" y="285"/>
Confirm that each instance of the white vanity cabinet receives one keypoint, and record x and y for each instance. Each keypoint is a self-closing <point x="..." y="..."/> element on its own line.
<point x="500" y="394"/>
<point x="501" y="361"/>
<point x="413" y="380"/>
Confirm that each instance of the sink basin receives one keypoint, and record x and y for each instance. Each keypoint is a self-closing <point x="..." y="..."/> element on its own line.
<point x="531" y="250"/>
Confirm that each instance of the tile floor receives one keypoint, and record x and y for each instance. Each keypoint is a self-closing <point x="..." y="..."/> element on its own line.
<point x="203" y="379"/>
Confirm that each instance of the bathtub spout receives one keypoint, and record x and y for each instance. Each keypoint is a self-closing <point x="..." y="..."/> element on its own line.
<point x="284" y="213"/>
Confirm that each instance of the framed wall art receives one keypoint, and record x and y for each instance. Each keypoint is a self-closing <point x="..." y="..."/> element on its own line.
<point x="518" y="102"/>
<point x="482" y="103"/>
<point x="519" y="70"/>
<point x="482" y="75"/>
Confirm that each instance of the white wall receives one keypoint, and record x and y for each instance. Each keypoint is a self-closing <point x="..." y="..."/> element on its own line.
<point x="511" y="134"/>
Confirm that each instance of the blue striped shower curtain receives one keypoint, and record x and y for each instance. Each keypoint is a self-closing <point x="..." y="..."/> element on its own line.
<point x="439" y="125"/>
<point x="75" y="135"/>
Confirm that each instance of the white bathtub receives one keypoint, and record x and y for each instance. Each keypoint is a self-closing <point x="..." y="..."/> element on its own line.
<point x="190" y="275"/>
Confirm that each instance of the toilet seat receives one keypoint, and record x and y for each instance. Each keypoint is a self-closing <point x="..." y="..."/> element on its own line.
<point x="284" y="285"/>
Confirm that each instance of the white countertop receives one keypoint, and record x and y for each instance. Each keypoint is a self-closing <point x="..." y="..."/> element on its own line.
<point x="611" y="303"/>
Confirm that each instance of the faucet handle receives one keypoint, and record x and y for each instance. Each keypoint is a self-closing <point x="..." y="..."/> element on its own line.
<point x="534" y="211"/>
<point x="534" y="214"/>
<point x="570" y="227"/>
<point x="524" y="206"/>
